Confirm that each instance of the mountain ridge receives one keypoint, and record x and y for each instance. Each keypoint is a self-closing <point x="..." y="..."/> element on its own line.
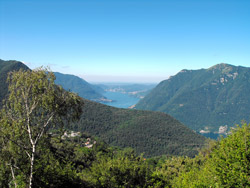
<point x="201" y="98"/>
<point x="79" y="86"/>
<point x="5" y="68"/>
<point x="151" y="133"/>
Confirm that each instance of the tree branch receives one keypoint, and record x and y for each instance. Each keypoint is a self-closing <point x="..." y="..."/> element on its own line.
<point x="13" y="175"/>
<point x="44" y="126"/>
<point x="28" y="154"/>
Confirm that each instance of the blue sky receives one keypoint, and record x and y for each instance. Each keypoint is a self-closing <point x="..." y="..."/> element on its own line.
<point x="125" y="40"/>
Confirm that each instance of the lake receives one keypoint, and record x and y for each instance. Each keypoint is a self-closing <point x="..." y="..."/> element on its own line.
<point x="120" y="100"/>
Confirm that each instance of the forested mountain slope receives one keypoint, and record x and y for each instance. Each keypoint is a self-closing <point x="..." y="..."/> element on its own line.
<point x="205" y="98"/>
<point x="151" y="133"/>
<point x="5" y="67"/>
<point x="78" y="85"/>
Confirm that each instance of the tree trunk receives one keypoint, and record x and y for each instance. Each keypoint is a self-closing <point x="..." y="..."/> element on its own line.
<point x="32" y="159"/>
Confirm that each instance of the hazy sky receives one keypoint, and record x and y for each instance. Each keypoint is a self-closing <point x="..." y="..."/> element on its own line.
<point x="125" y="40"/>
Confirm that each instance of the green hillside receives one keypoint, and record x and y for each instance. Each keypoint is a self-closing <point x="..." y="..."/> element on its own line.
<point x="78" y="85"/>
<point x="205" y="98"/>
<point x="151" y="133"/>
<point x="5" y="67"/>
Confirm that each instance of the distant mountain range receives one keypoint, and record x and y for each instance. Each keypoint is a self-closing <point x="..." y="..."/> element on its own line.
<point x="80" y="86"/>
<point x="205" y="99"/>
<point x="135" y="90"/>
<point x="151" y="133"/>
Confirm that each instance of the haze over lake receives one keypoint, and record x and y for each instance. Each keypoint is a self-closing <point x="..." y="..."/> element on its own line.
<point x="120" y="100"/>
<point x="124" y="95"/>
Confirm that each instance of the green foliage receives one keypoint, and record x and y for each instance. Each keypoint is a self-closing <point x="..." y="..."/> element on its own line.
<point x="226" y="165"/>
<point x="124" y="169"/>
<point x="231" y="159"/>
<point x="203" y="98"/>
<point x="34" y="105"/>
<point x="68" y="163"/>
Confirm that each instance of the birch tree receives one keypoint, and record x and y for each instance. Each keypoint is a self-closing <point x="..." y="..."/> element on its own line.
<point x="34" y="105"/>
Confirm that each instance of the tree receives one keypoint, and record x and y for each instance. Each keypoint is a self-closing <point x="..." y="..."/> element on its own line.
<point x="230" y="160"/>
<point x="227" y="164"/>
<point x="123" y="169"/>
<point x="34" y="105"/>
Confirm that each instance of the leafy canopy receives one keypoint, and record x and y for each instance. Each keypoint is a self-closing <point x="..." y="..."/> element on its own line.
<point x="34" y="105"/>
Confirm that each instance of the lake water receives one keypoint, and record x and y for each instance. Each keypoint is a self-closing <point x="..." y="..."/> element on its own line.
<point x="211" y="135"/>
<point x="214" y="136"/>
<point x="120" y="100"/>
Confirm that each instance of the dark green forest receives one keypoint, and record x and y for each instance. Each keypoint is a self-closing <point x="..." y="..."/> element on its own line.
<point x="151" y="133"/>
<point x="38" y="147"/>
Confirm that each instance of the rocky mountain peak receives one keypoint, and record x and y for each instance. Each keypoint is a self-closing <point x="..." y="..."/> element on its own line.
<point x="223" y="67"/>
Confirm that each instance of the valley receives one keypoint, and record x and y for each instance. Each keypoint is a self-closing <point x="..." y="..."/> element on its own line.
<point x="121" y="95"/>
<point x="148" y="132"/>
<point x="119" y="100"/>
<point x="108" y="143"/>
<point x="124" y="95"/>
